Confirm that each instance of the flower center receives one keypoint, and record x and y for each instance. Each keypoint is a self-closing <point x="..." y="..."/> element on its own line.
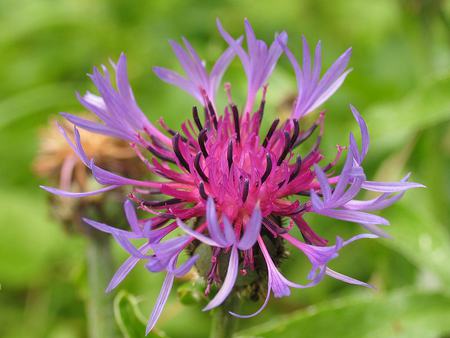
<point x="228" y="160"/>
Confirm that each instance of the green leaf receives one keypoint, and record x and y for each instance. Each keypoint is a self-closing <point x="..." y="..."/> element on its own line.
<point x="391" y="123"/>
<point x="405" y="313"/>
<point x="419" y="236"/>
<point x="37" y="100"/>
<point x="30" y="244"/>
<point x="129" y="318"/>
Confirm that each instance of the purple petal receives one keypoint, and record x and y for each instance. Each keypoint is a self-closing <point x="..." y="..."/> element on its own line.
<point x="352" y="216"/>
<point x="323" y="181"/>
<point x="118" y="110"/>
<point x="125" y="268"/>
<point x="123" y="84"/>
<point x="278" y="283"/>
<point x="365" y="140"/>
<point x="177" y="80"/>
<point x="103" y="176"/>
<point x="390" y="186"/>
<point x="229" y="281"/>
<point x="77" y="147"/>
<point x="64" y="193"/>
<point x="252" y="230"/>
<point x="171" y="246"/>
<point x="378" y="203"/>
<point x="236" y="47"/>
<point x="202" y="238"/>
<point x="95" y="127"/>
<point x="345" y="278"/>
<point x="319" y="256"/>
<point x="186" y="266"/>
<point x="132" y="219"/>
<point x="311" y="92"/>
<point x="360" y="236"/>
<point x="335" y="71"/>
<point x="213" y="224"/>
<point x="154" y="236"/>
<point x="111" y="230"/>
<point x="306" y="61"/>
<point x="126" y="244"/>
<point x="344" y="176"/>
<point x="220" y="66"/>
<point x="160" y="302"/>
<point x="316" y="201"/>
<point x="329" y="91"/>
<point x="200" y="71"/>
<point x="189" y="66"/>
<point x="229" y="233"/>
<point x="349" y="194"/>
<point x="291" y="57"/>
<point x="376" y="230"/>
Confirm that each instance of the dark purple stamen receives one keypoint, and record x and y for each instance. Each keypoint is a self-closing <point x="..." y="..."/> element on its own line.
<point x="201" y="141"/>
<point x="305" y="193"/>
<point x="230" y="154"/>
<point x="305" y="238"/>
<point x="295" y="133"/>
<point x="198" y="167"/>
<point x="197" y="118"/>
<point x="260" y="113"/>
<point x="158" y="154"/>
<point x="270" y="132"/>
<point x="268" y="168"/>
<point x="165" y="203"/>
<point x="245" y="190"/>
<point x="287" y="141"/>
<point x="212" y="113"/>
<point x="262" y="105"/>
<point x="300" y="209"/>
<point x="275" y="228"/>
<point x="305" y="135"/>
<point x="296" y="170"/>
<point x="159" y="144"/>
<point x="201" y="190"/>
<point x="176" y="150"/>
<point x="170" y="130"/>
<point x="236" y="122"/>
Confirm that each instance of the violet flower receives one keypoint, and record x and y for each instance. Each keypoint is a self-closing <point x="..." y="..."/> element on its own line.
<point x="233" y="187"/>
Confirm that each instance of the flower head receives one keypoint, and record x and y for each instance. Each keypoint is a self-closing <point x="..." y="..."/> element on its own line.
<point x="227" y="184"/>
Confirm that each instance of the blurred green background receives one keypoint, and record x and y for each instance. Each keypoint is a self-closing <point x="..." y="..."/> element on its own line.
<point x="400" y="83"/>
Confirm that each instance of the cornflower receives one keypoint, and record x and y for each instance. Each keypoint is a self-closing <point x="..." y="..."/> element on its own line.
<point x="226" y="184"/>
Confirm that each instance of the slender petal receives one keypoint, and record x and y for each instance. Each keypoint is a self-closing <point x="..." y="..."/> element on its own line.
<point x="197" y="235"/>
<point x="197" y="79"/>
<point x="228" y="283"/>
<point x="64" y="193"/>
<point x="213" y="224"/>
<point x="345" y="278"/>
<point x="390" y="186"/>
<point x="313" y="92"/>
<point x="160" y="302"/>
<point x="258" y="62"/>
<point x="252" y="230"/>
<point x="125" y="268"/>
<point x="132" y="219"/>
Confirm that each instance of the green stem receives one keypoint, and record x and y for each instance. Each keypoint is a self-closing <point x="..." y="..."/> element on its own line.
<point x="224" y="324"/>
<point x="100" y="316"/>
